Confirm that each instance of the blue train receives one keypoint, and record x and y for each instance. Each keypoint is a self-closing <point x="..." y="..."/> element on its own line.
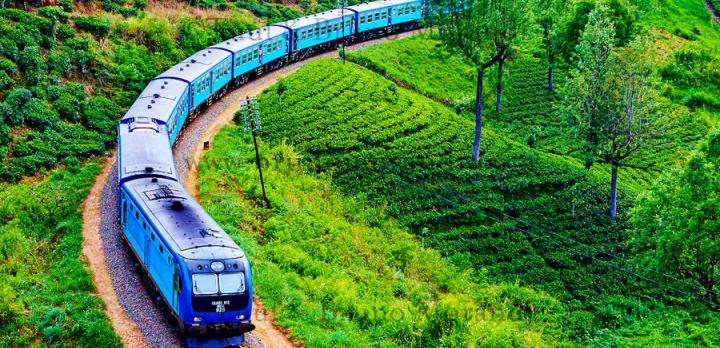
<point x="203" y="278"/>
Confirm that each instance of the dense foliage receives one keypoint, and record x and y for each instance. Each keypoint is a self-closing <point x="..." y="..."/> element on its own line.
<point x="45" y="289"/>
<point x="676" y="222"/>
<point x="339" y="272"/>
<point x="67" y="78"/>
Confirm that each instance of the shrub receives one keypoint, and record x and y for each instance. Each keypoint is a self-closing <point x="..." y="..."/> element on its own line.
<point x="97" y="26"/>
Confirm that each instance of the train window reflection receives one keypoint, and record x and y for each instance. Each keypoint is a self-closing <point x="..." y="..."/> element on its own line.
<point x="232" y="283"/>
<point x="204" y="284"/>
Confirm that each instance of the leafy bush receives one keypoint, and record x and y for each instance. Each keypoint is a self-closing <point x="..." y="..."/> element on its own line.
<point x="98" y="26"/>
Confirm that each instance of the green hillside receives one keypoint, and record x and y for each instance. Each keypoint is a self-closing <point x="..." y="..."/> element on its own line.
<point x="45" y="287"/>
<point x="339" y="272"/>
<point x="514" y="216"/>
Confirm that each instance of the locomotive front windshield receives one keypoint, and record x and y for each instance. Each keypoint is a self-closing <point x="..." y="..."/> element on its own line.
<point x="231" y="283"/>
<point x="205" y="284"/>
<point x="226" y="283"/>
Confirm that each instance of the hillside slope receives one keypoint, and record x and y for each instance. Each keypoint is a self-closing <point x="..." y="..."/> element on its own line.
<point x="339" y="272"/>
<point x="517" y="216"/>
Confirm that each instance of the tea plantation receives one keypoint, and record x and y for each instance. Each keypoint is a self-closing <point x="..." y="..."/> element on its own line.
<point x="515" y="217"/>
<point x="337" y="271"/>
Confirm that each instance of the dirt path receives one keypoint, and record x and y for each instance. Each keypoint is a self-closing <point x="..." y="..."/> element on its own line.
<point x="94" y="252"/>
<point x="133" y="316"/>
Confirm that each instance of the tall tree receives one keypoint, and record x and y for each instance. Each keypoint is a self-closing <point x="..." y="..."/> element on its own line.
<point x="549" y="16"/>
<point x="676" y="225"/>
<point x="484" y="31"/>
<point x="636" y="110"/>
<point x="586" y="95"/>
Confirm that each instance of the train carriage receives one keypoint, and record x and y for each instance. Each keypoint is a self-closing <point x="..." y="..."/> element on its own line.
<point x="381" y="14"/>
<point x="206" y="72"/>
<point x="256" y="48"/>
<point x="318" y="30"/>
<point x="144" y="149"/>
<point x="166" y="100"/>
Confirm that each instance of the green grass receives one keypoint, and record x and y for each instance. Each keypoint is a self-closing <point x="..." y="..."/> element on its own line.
<point x="339" y="272"/>
<point x="46" y="290"/>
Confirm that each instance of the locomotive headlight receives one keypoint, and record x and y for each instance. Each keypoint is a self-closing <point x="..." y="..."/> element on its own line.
<point x="197" y="319"/>
<point x="217" y="266"/>
<point x="240" y="317"/>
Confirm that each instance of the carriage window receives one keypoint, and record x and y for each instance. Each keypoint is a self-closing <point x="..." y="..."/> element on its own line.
<point x="231" y="283"/>
<point x="204" y="284"/>
<point x="137" y="215"/>
<point x="144" y="225"/>
<point x="407" y="10"/>
<point x="162" y="250"/>
<point x="369" y="18"/>
<point x="317" y="31"/>
<point x="322" y="30"/>
<point x="152" y="236"/>
<point x="362" y="19"/>
<point x="377" y="15"/>
<point x="337" y="26"/>
<point x="384" y="15"/>
<point x="255" y="53"/>
<point x="124" y="212"/>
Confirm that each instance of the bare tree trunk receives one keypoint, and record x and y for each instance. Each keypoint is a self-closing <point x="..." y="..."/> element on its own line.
<point x="613" y="191"/>
<point x="551" y="70"/>
<point x="498" y="98"/>
<point x="478" y="114"/>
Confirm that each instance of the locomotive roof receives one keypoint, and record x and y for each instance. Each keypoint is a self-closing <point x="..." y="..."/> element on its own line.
<point x="368" y="6"/>
<point x="157" y="100"/>
<point x="314" y="19"/>
<point x="251" y="38"/>
<point x="192" y="67"/>
<point x="190" y="231"/>
<point x="144" y="148"/>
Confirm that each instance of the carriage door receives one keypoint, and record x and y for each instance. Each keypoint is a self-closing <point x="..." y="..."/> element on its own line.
<point x="176" y="287"/>
<point x="390" y="12"/>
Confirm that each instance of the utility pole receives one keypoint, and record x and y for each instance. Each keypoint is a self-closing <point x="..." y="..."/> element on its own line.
<point x="342" y="4"/>
<point x="250" y="113"/>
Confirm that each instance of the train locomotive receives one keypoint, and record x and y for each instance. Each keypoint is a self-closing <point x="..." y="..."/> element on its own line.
<point x="192" y="266"/>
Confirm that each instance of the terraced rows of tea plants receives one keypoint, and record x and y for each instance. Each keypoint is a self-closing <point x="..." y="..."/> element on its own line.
<point x="508" y="217"/>
<point x="339" y="273"/>
<point x="395" y="145"/>
<point x="529" y="111"/>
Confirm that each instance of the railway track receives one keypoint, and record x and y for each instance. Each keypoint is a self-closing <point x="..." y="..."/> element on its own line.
<point x="134" y="315"/>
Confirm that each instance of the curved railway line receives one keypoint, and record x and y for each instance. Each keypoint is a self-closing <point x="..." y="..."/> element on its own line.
<point x="134" y="315"/>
